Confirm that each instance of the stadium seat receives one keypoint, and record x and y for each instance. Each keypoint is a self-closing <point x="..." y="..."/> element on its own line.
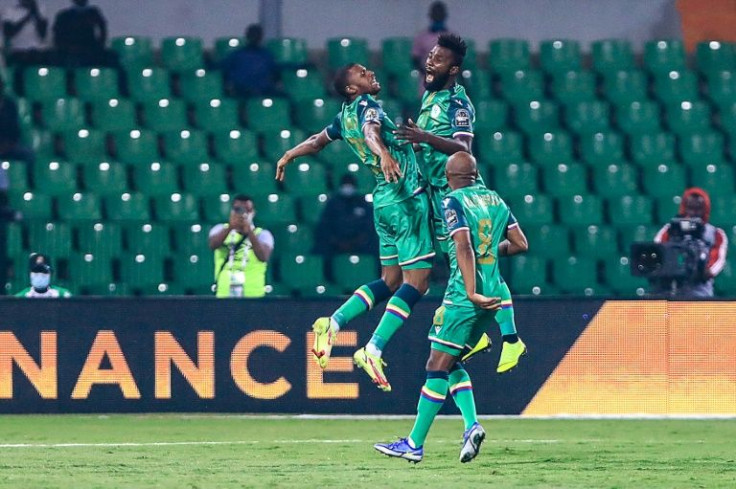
<point x="216" y="208"/>
<point x="55" y="177"/>
<point x="112" y="289"/>
<point x="113" y="115"/>
<point x="522" y="86"/>
<point x="406" y="88"/>
<point x="614" y="180"/>
<point x="41" y="142"/>
<point x="716" y="179"/>
<point x="565" y="179"/>
<point x="201" y="85"/>
<point x="156" y="178"/>
<point x="314" y="115"/>
<point x="293" y="239"/>
<point x="150" y="238"/>
<point x="664" y="180"/>
<point x="276" y="209"/>
<point x="186" y="147"/>
<point x="722" y="87"/>
<point x="551" y="148"/>
<point x="299" y="272"/>
<point x="311" y="208"/>
<point x="225" y="46"/>
<point x="176" y="207"/>
<point x="303" y="84"/>
<point x="602" y="148"/>
<point x="63" y="114"/>
<point x="549" y="241"/>
<point x="714" y="56"/>
<point x="700" y="149"/>
<point x="277" y="142"/>
<point x="194" y="272"/>
<point x="86" y="146"/>
<point x="581" y="210"/>
<point x="727" y="118"/>
<point x="516" y="179"/>
<point x="149" y="84"/>
<point x="559" y="55"/>
<point x="491" y="115"/>
<point x="257" y="179"/>
<point x="50" y="238"/>
<point x="217" y="115"/>
<point x="612" y="55"/>
<point x="181" y="54"/>
<point x="668" y="206"/>
<point x="128" y="206"/>
<point x="190" y="238"/>
<point x="594" y="242"/>
<point x="88" y="269"/>
<point x="96" y="84"/>
<point x="352" y="271"/>
<point x="625" y="86"/>
<point x="500" y="147"/>
<point x="31" y="205"/>
<point x="630" y="210"/>
<point x="105" y="178"/>
<point x="638" y="116"/>
<point x="17" y="174"/>
<point x="653" y="148"/>
<point x="527" y="272"/>
<point x="136" y="147"/>
<point x="164" y="115"/>
<point x="574" y="86"/>
<point x="618" y="276"/>
<point x="267" y="114"/>
<point x="205" y="179"/>
<point x="508" y="55"/>
<point x="587" y="116"/>
<point x="477" y="83"/>
<point x="723" y="210"/>
<point x="396" y="55"/>
<point x="688" y="117"/>
<point x="14" y="243"/>
<point x="289" y="52"/>
<point x="139" y="270"/>
<point x="133" y="52"/>
<point x="663" y="56"/>
<point x="235" y="147"/>
<point x="676" y="86"/>
<point x="536" y="116"/>
<point x="533" y="209"/>
<point x="575" y="274"/>
<point x="79" y="206"/>
<point x="344" y="50"/>
<point x="101" y="239"/>
<point x="306" y="179"/>
<point x="641" y="232"/>
<point x="44" y="83"/>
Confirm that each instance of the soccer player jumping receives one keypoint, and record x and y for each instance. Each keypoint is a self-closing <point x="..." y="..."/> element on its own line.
<point x="401" y="215"/>
<point x="481" y="228"/>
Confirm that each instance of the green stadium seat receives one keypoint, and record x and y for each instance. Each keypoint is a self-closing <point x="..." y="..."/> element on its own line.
<point x="406" y="88"/>
<point x="17" y="175"/>
<point x="653" y="148"/>
<point x="112" y="289"/>
<point x="55" y="177"/>
<point x="723" y="210"/>
<point x="516" y="179"/>
<point x="532" y="210"/>
<point x="25" y="114"/>
<point x="128" y="206"/>
<point x="559" y="55"/>
<point x="205" y="179"/>
<point x="133" y="52"/>
<point x="93" y="84"/>
<point x="194" y="272"/>
<point x="615" y="180"/>
<point x="176" y="207"/>
<point x="44" y="83"/>
<point x="192" y="238"/>
<point x="688" y="117"/>
<point x="216" y="208"/>
<point x="612" y="55"/>
<point x="722" y="87"/>
<point x="163" y="289"/>
<point x="716" y="179"/>
<point x="268" y="114"/>
<point x="574" y="86"/>
<point x="31" y="205"/>
<point x="725" y="285"/>
<point x="527" y="272"/>
<point x="581" y="210"/>
<point x="664" y="55"/>
<point x="86" y="146"/>
<point x="79" y="206"/>
<point x="618" y="276"/>
<point x="101" y="239"/>
<point x="574" y="274"/>
<point x="676" y="86"/>
<point x="277" y="142"/>
<point x="113" y="115"/>
<point x="344" y="50"/>
<point x="522" y="86"/>
<point x="663" y="179"/>
<point x="508" y="55"/>
<point x="181" y="54"/>
<point x="136" y="147"/>
<point x="630" y="210"/>
<point x="500" y="147"/>
<point x="186" y="147"/>
<point x="225" y="46"/>
<point x="293" y="239"/>
<point x="314" y="115"/>
<point x="491" y="115"/>
<point x="150" y="238"/>
<point x="105" y="178"/>
<point x="50" y="238"/>
<point x="217" y="115"/>
<point x="63" y="114"/>
<point x="165" y="114"/>
<point x="667" y="206"/>
<point x="275" y="210"/>
<point x="602" y="148"/>
<point x="303" y="84"/>
<point x="551" y="148"/>
<point x="14" y="243"/>
<point x="549" y="241"/>
<point x="236" y="146"/>
<point x="306" y="179"/>
<point x="638" y="116"/>
<point x="641" y="232"/>
<point x="713" y="56"/>
<point x="201" y="85"/>
<point x="88" y="269"/>
<point x="594" y="242"/>
<point x="149" y="84"/>
<point x="727" y="118"/>
<point x="256" y="179"/>
<point x="156" y="179"/>
<point x="588" y="116"/>
<point x="477" y="83"/>
<point x="352" y="271"/>
<point x="311" y="208"/>
<point x="565" y="179"/>
<point x="300" y="272"/>
<point x="366" y="182"/>
<point x="396" y="55"/>
<point x="625" y="86"/>
<point x="139" y="270"/>
<point x="289" y="51"/>
<point x="537" y="116"/>
<point x="701" y="149"/>
<point x="41" y="142"/>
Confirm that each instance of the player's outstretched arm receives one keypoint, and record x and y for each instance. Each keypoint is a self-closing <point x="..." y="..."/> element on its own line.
<point x="389" y="166"/>
<point x="411" y="133"/>
<point x="514" y="243"/>
<point x="313" y="144"/>
<point x="466" y="262"/>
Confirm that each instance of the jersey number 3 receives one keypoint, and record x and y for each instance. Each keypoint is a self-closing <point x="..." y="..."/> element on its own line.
<point x="485" y="253"/>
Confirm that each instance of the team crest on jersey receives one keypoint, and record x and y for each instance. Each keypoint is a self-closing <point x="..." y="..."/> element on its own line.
<point x="371" y="115"/>
<point x="451" y="217"/>
<point x="436" y="111"/>
<point x="462" y="118"/>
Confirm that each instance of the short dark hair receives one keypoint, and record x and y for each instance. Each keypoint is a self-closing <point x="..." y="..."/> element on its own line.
<point x="454" y="43"/>
<point x="242" y="198"/>
<point x="341" y="79"/>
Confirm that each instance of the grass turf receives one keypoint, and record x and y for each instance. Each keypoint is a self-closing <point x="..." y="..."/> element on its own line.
<point x="227" y="452"/>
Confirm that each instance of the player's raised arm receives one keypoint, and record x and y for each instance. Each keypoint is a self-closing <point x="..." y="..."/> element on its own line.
<point x="389" y="166"/>
<point x="313" y="144"/>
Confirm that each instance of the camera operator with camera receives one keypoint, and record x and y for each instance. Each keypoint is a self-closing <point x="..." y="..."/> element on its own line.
<point x="687" y="253"/>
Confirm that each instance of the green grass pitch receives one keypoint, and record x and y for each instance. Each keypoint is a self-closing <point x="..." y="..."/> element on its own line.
<point x="201" y="451"/>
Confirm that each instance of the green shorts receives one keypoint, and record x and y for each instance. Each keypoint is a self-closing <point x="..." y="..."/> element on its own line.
<point x="436" y="194"/>
<point x="404" y="233"/>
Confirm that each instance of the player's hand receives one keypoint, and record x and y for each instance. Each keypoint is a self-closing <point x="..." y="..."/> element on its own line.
<point x="411" y="133"/>
<point x="390" y="168"/>
<point x="281" y="167"/>
<point x="488" y="303"/>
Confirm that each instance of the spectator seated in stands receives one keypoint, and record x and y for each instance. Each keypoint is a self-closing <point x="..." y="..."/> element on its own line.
<point x="426" y="40"/>
<point x="40" y="273"/>
<point x="80" y="34"/>
<point x="10" y="145"/>
<point x="24" y="32"/>
<point x="251" y="70"/>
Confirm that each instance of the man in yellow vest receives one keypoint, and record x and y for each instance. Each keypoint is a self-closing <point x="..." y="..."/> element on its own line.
<point x="241" y="251"/>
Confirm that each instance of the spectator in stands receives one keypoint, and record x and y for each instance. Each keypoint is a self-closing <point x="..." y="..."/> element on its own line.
<point x="41" y="287"/>
<point x="10" y="145"/>
<point x="426" y="40"/>
<point x="80" y="34"/>
<point x="695" y="204"/>
<point x="241" y="252"/>
<point x="346" y="223"/>
<point x="251" y="70"/>
<point x="24" y="32"/>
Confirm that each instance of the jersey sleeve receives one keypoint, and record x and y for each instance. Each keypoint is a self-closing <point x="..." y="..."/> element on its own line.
<point x="369" y="112"/>
<point x="334" y="130"/>
<point x="511" y="223"/>
<point x="453" y="215"/>
<point x="462" y="117"/>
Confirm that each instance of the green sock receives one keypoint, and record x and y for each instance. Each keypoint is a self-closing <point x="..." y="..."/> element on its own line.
<point x="431" y="400"/>
<point x="505" y="320"/>
<point x="362" y="300"/>
<point x="462" y="393"/>
<point x="397" y="312"/>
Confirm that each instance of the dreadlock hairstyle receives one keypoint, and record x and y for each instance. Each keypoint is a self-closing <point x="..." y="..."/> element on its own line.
<point x="454" y="43"/>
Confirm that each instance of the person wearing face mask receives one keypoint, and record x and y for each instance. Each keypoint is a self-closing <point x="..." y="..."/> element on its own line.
<point x="346" y="223"/>
<point x="41" y="287"/>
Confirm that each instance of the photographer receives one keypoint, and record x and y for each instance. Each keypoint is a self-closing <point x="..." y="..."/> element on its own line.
<point x="241" y="251"/>
<point x="710" y="240"/>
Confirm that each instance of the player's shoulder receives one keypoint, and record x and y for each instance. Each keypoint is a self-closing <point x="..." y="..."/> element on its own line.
<point x="23" y="293"/>
<point x="459" y="96"/>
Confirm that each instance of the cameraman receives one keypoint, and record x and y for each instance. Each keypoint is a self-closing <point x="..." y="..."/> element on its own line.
<point x="695" y="204"/>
